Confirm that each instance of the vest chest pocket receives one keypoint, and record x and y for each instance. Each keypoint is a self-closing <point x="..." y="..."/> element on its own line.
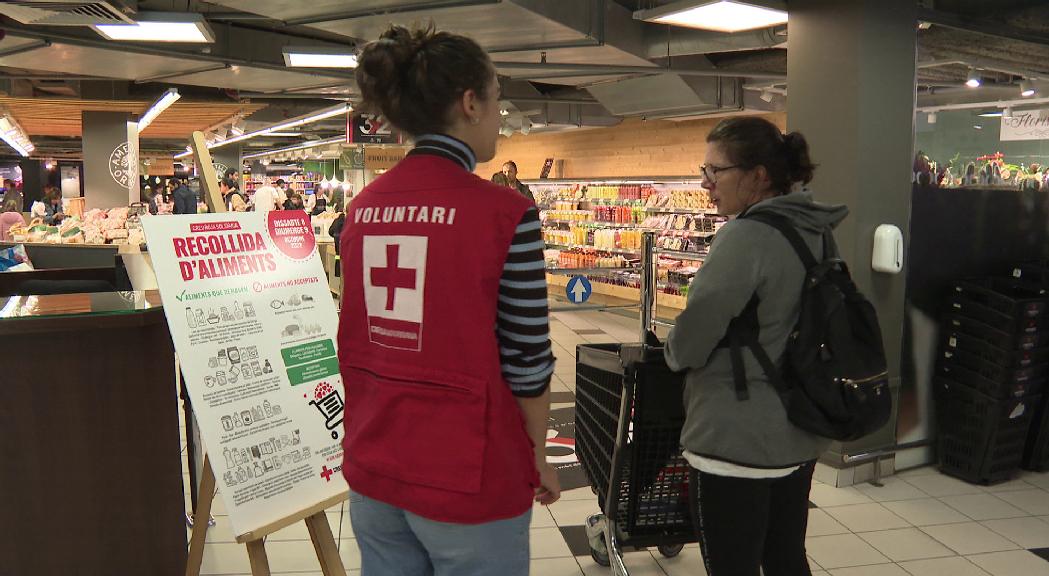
<point x="428" y="433"/>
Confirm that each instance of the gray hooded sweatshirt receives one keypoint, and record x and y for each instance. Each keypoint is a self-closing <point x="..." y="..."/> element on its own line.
<point x="747" y="256"/>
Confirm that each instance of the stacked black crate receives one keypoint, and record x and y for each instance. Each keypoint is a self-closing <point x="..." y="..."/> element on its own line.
<point x="1036" y="453"/>
<point x="990" y="377"/>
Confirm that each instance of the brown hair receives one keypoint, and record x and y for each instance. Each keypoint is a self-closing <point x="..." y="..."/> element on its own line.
<point x="413" y="77"/>
<point x="500" y="179"/>
<point x="751" y="142"/>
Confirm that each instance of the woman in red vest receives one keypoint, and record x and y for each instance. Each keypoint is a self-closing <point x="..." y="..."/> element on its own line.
<point x="444" y="339"/>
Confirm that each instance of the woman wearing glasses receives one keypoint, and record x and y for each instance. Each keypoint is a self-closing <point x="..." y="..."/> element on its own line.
<point x="752" y="467"/>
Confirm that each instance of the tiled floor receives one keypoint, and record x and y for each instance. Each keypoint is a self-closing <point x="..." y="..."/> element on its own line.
<point x="920" y="523"/>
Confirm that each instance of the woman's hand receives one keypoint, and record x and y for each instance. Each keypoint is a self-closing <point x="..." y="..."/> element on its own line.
<point x="549" y="490"/>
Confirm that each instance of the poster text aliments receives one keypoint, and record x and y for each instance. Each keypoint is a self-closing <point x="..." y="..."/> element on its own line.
<point x="222" y="255"/>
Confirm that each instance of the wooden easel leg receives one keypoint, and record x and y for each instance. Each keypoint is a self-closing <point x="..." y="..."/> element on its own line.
<point x="260" y="564"/>
<point x="324" y="544"/>
<point x="200" y="529"/>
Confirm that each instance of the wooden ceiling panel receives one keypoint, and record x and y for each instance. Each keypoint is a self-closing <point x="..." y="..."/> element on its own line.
<point x="62" y="116"/>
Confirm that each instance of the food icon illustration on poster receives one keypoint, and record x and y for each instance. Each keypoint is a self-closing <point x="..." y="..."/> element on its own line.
<point x="327" y="400"/>
<point x="252" y="415"/>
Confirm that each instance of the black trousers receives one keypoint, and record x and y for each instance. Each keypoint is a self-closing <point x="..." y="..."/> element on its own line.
<point x="747" y="525"/>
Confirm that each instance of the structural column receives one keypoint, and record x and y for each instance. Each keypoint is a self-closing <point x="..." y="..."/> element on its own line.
<point x="110" y="160"/>
<point x="851" y="74"/>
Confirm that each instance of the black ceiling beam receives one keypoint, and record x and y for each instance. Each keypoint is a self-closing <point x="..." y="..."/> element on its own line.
<point x="403" y="9"/>
<point x="956" y="22"/>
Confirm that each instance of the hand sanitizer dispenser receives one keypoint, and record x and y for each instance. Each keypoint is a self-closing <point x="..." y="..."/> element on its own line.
<point x="888" y="249"/>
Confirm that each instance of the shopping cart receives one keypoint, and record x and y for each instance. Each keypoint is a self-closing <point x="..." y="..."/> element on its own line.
<point x="331" y="407"/>
<point x="629" y="414"/>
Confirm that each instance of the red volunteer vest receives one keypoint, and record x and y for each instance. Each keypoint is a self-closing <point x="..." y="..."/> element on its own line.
<point x="431" y="425"/>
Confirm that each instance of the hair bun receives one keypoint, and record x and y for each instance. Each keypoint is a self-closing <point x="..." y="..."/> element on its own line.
<point x="798" y="161"/>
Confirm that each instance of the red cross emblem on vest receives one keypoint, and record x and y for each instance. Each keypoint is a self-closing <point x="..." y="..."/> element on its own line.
<point x="394" y="269"/>
<point x="391" y="277"/>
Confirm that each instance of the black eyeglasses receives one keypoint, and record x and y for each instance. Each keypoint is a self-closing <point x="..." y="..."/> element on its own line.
<point x="710" y="173"/>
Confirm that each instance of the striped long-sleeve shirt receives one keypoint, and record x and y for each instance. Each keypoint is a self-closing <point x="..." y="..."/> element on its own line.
<point x="523" y="325"/>
<point x="523" y="316"/>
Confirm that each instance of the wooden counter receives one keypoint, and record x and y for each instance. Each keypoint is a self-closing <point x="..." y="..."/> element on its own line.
<point x="89" y="431"/>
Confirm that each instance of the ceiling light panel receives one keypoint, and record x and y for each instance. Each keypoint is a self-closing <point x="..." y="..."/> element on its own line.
<point x="160" y="27"/>
<point x="718" y="15"/>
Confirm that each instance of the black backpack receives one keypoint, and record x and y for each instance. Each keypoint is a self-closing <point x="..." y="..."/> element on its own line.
<point x="834" y="381"/>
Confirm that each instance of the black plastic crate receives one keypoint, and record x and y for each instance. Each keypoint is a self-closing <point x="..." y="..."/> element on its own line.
<point x="1008" y="323"/>
<point x="998" y="338"/>
<point x="959" y="342"/>
<point x="1035" y="272"/>
<point x="1036" y="452"/>
<point x="652" y="490"/>
<point x="981" y="439"/>
<point x="1017" y="386"/>
<point x="1029" y="379"/>
<point x="1007" y="296"/>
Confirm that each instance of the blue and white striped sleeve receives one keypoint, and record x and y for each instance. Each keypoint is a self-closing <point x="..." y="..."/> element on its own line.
<point x="523" y="323"/>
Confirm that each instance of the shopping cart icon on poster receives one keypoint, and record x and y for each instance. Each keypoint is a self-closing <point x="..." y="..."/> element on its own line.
<point x="331" y="406"/>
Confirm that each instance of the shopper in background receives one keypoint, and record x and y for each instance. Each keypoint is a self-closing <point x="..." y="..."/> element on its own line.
<point x="510" y="171"/>
<point x="500" y="179"/>
<point x="231" y="196"/>
<point x="185" y="199"/>
<point x="445" y="426"/>
<point x="310" y="200"/>
<point x="53" y="214"/>
<point x="752" y="468"/>
<point x="265" y="198"/>
<point x="10" y="214"/>
<point x="335" y="230"/>
<point x="320" y="203"/>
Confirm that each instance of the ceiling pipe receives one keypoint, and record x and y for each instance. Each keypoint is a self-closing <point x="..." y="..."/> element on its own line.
<point x="979" y="105"/>
<point x="404" y="9"/>
<point x="170" y="75"/>
<point x="984" y="65"/>
<point x="607" y="69"/>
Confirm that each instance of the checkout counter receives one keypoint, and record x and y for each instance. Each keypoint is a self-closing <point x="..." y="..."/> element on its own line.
<point x="89" y="431"/>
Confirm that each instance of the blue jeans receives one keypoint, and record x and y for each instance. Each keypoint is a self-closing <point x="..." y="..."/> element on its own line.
<point x="395" y="542"/>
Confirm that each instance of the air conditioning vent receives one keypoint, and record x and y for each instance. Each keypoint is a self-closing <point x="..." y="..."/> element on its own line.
<point x="65" y="13"/>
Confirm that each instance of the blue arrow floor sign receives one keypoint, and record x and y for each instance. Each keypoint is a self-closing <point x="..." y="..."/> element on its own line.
<point x="578" y="289"/>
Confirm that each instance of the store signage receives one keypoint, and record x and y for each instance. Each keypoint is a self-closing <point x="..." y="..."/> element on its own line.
<point x="383" y="158"/>
<point x="372" y="129"/>
<point x="1026" y="125"/>
<point x="578" y="289"/>
<point x="254" y="326"/>
<point x="123" y="164"/>
<point x="352" y="158"/>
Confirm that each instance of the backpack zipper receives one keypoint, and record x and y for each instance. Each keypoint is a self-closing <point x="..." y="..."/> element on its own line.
<point x="855" y="383"/>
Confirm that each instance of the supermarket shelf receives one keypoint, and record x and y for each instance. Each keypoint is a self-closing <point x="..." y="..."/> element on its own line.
<point x="667" y="231"/>
<point x="693" y="179"/>
<point x="595" y="223"/>
<point x="601" y="270"/>
<point x="589" y="247"/>
<point x="679" y="254"/>
<point x="706" y="211"/>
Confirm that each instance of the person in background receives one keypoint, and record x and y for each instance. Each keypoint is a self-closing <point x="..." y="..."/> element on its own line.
<point x="310" y="200"/>
<point x="53" y="214"/>
<point x="185" y="199"/>
<point x="500" y="179"/>
<point x="751" y="467"/>
<point x="292" y="199"/>
<point x="231" y="196"/>
<point x="13" y="194"/>
<point x="336" y="229"/>
<point x="445" y="427"/>
<point x="11" y="215"/>
<point x="234" y="175"/>
<point x="320" y="204"/>
<point x="510" y="171"/>
<point x="265" y="198"/>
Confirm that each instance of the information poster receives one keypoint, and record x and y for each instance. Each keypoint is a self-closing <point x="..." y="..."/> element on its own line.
<point x="254" y="327"/>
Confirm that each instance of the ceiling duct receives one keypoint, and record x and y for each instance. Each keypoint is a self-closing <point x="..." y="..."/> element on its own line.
<point x="669" y="95"/>
<point x="67" y="12"/>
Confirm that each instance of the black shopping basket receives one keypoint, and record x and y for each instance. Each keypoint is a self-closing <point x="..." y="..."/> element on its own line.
<point x="629" y="414"/>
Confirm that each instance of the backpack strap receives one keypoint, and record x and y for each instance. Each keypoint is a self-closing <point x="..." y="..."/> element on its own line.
<point x="789" y="232"/>
<point x="744" y="332"/>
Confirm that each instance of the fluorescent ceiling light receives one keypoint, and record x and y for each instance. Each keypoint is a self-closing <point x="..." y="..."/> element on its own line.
<point x="279" y="127"/>
<point x="719" y="15"/>
<point x="163" y="103"/>
<point x="319" y="57"/>
<point x="991" y="115"/>
<point x="973" y="80"/>
<point x="160" y="27"/>
<point x="304" y="146"/>
<point x="12" y="133"/>
<point x="1026" y="89"/>
<point x="284" y="134"/>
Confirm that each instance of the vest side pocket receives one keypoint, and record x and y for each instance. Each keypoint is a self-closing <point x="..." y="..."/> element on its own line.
<point x="428" y="433"/>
